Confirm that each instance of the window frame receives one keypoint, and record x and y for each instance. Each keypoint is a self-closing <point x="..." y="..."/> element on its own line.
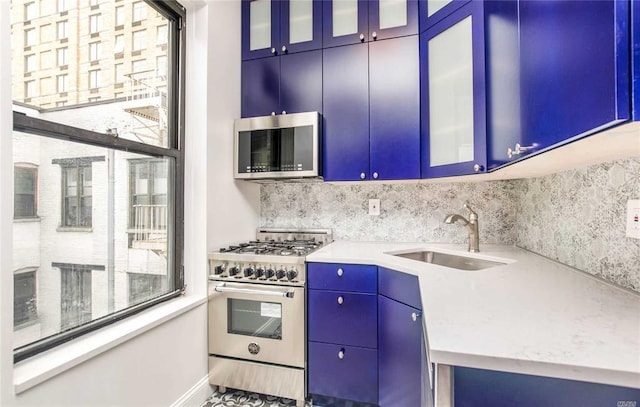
<point x="34" y="170"/>
<point x="62" y="56"/>
<point x="79" y="169"/>
<point x="62" y="30"/>
<point x="33" y="319"/>
<point x="176" y="15"/>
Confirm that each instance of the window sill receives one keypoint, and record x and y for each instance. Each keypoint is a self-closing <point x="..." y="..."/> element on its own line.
<point x="73" y="229"/>
<point x="46" y="365"/>
<point x="27" y="220"/>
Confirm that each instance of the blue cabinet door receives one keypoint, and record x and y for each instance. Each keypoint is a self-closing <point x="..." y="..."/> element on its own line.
<point x="260" y="28"/>
<point x="260" y="87"/>
<point x="301" y="26"/>
<point x="345" y="88"/>
<point x="575" y="69"/>
<point x="388" y="19"/>
<point x="394" y="129"/>
<point x="342" y="277"/>
<point x="301" y="82"/>
<point x="345" y="22"/>
<point x="432" y="11"/>
<point x="453" y="98"/>
<point x="399" y="354"/>
<point x="635" y="63"/>
<point x="486" y="388"/>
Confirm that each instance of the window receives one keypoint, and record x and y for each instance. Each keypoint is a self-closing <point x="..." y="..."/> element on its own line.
<point x="46" y="60"/>
<point x="61" y="56"/>
<point x="139" y="40"/>
<point x="93" y="2"/>
<point x="84" y="189"/>
<point x="25" y="304"/>
<point x="94" y="79"/>
<point x="94" y="51"/>
<point x="29" y="37"/>
<point x="119" y="15"/>
<point x="62" y="6"/>
<point x="139" y="11"/>
<point x="61" y="28"/>
<point x="118" y="45"/>
<point x="25" y="184"/>
<point x="30" y="11"/>
<point x="61" y="83"/>
<point x="95" y="23"/>
<point x="161" y="66"/>
<point x="46" y="33"/>
<point x="29" y="63"/>
<point x="76" y="196"/>
<point x="161" y="35"/>
<point x="30" y="89"/>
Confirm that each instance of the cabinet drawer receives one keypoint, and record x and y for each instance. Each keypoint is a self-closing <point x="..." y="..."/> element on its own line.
<point x="343" y="317"/>
<point x="342" y="277"/>
<point x="352" y="377"/>
<point x="400" y="287"/>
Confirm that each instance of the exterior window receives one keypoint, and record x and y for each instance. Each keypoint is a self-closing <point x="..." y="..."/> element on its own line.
<point x="25" y="301"/>
<point x="143" y="287"/>
<point x="94" y="79"/>
<point x="94" y="51"/>
<point x="161" y="66"/>
<point x="118" y="45"/>
<point x="95" y="23"/>
<point x="139" y="11"/>
<point x="62" y="83"/>
<point x="30" y="11"/>
<point x="148" y="188"/>
<point x="94" y="2"/>
<point x="29" y="37"/>
<point x="62" y="6"/>
<point x="139" y="40"/>
<point x="46" y="60"/>
<point x="61" y="28"/>
<point x="76" y="196"/>
<point x="94" y="99"/>
<point x="119" y="15"/>
<point x="161" y="35"/>
<point x="61" y="103"/>
<point x="25" y="198"/>
<point x="30" y="63"/>
<point x="75" y="297"/>
<point x="30" y="89"/>
<point x="119" y="73"/>
<point x="139" y="66"/>
<point x="61" y="56"/>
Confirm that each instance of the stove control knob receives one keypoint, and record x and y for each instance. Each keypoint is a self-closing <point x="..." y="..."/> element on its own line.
<point x="219" y="269"/>
<point x="270" y="273"/>
<point x="281" y="273"/>
<point x="248" y="272"/>
<point x="292" y="274"/>
<point x="234" y="270"/>
<point x="260" y="272"/>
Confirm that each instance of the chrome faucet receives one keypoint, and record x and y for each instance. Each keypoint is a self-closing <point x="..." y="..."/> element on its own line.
<point x="471" y="225"/>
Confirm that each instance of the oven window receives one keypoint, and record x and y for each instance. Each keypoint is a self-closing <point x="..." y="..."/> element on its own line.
<point x="255" y="318"/>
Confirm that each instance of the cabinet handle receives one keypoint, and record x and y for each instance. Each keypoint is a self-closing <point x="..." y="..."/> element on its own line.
<point x="340" y="300"/>
<point x="273" y="51"/>
<point x="340" y="272"/>
<point x="284" y="112"/>
<point x="284" y="48"/>
<point x="362" y="175"/>
<point x="341" y="354"/>
<point x="375" y="175"/>
<point x="374" y="35"/>
<point x="273" y="113"/>
<point x="415" y="316"/>
<point x="361" y="37"/>
<point x="519" y="149"/>
<point x="478" y="168"/>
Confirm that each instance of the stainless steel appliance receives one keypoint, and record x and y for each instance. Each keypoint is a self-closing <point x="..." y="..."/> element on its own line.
<point x="278" y="146"/>
<point x="257" y="335"/>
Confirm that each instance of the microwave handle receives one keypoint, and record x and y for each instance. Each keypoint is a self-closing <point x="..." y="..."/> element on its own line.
<point x="221" y="288"/>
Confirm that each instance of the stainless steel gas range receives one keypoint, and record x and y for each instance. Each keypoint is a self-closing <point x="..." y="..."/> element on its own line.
<point x="257" y="335"/>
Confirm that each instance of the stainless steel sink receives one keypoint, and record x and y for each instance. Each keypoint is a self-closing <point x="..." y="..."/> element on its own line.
<point x="450" y="260"/>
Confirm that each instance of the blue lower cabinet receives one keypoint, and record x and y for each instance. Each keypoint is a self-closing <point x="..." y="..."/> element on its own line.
<point x="486" y="388"/>
<point x="342" y="277"/>
<point x="343" y="317"/>
<point x="343" y="372"/>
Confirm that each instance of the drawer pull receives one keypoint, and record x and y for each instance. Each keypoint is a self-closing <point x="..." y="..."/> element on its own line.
<point x="340" y="272"/>
<point x="415" y="316"/>
<point x="340" y="300"/>
<point x="341" y="354"/>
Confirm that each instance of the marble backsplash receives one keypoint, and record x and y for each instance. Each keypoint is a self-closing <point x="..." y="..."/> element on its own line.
<point x="575" y="217"/>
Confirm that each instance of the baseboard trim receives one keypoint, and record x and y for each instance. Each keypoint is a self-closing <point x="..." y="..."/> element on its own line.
<point x="196" y="395"/>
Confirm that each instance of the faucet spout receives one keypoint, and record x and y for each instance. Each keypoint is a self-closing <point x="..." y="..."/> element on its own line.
<point x="471" y="225"/>
<point x="454" y="217"/>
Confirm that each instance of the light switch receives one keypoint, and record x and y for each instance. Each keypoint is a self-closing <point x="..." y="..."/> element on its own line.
<point x="633" y="218"/>
<point x="374" y="207"/>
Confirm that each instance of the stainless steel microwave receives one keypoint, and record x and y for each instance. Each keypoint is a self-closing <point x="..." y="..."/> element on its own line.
<point x="278" y="146"/>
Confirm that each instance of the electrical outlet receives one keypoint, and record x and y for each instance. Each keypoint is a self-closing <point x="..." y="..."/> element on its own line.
<point x="633" y="218"/>
<point x="374" y="207"/>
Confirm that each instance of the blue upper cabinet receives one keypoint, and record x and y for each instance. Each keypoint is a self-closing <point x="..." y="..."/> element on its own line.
<point x="575" y="77"/>
<point x="635" y="65"/>
<point x="432" y="11"/>
<point x="276" y="27"/>
<point x="353" y="21"/>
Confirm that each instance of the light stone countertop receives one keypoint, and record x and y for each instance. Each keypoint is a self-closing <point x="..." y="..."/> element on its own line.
<point x="532" y="315"/>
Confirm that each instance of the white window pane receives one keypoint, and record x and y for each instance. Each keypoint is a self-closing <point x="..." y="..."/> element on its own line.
<point x="435" y="5"/>
<point x="300" y="21"/>
<point x="345" y="17"/>
<point x="260" y="25"/>
<point x="393" y="13"/>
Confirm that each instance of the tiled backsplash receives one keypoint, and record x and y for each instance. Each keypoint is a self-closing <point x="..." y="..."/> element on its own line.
<point x="575" y="217"/>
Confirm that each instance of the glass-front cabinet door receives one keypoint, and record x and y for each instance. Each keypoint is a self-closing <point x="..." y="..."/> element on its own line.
<point x="392" y="18"/>
<point x="345" y="22"/>
<point x="453" y="96"/>
<point x="301" y="25"/>
<point x="260" y="28"/>
<point x="432" y="11"/>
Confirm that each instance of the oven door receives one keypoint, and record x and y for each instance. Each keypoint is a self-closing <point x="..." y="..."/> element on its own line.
<point x="256" y="322"/>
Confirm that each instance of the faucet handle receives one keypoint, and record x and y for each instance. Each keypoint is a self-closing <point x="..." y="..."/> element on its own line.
<point x="472" y="213"/>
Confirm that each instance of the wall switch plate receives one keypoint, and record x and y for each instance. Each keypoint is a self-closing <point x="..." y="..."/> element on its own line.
<point x="374" y="207"/>
<point x="633" y="218"/>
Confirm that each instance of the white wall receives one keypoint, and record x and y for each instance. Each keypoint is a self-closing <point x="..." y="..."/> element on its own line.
<point x="161" y="365"/>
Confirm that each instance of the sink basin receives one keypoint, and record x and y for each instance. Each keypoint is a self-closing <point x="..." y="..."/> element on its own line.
<point x="450" y="260"/>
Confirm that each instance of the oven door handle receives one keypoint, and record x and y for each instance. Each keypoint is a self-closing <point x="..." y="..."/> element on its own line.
<point x="221" y="288"/>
